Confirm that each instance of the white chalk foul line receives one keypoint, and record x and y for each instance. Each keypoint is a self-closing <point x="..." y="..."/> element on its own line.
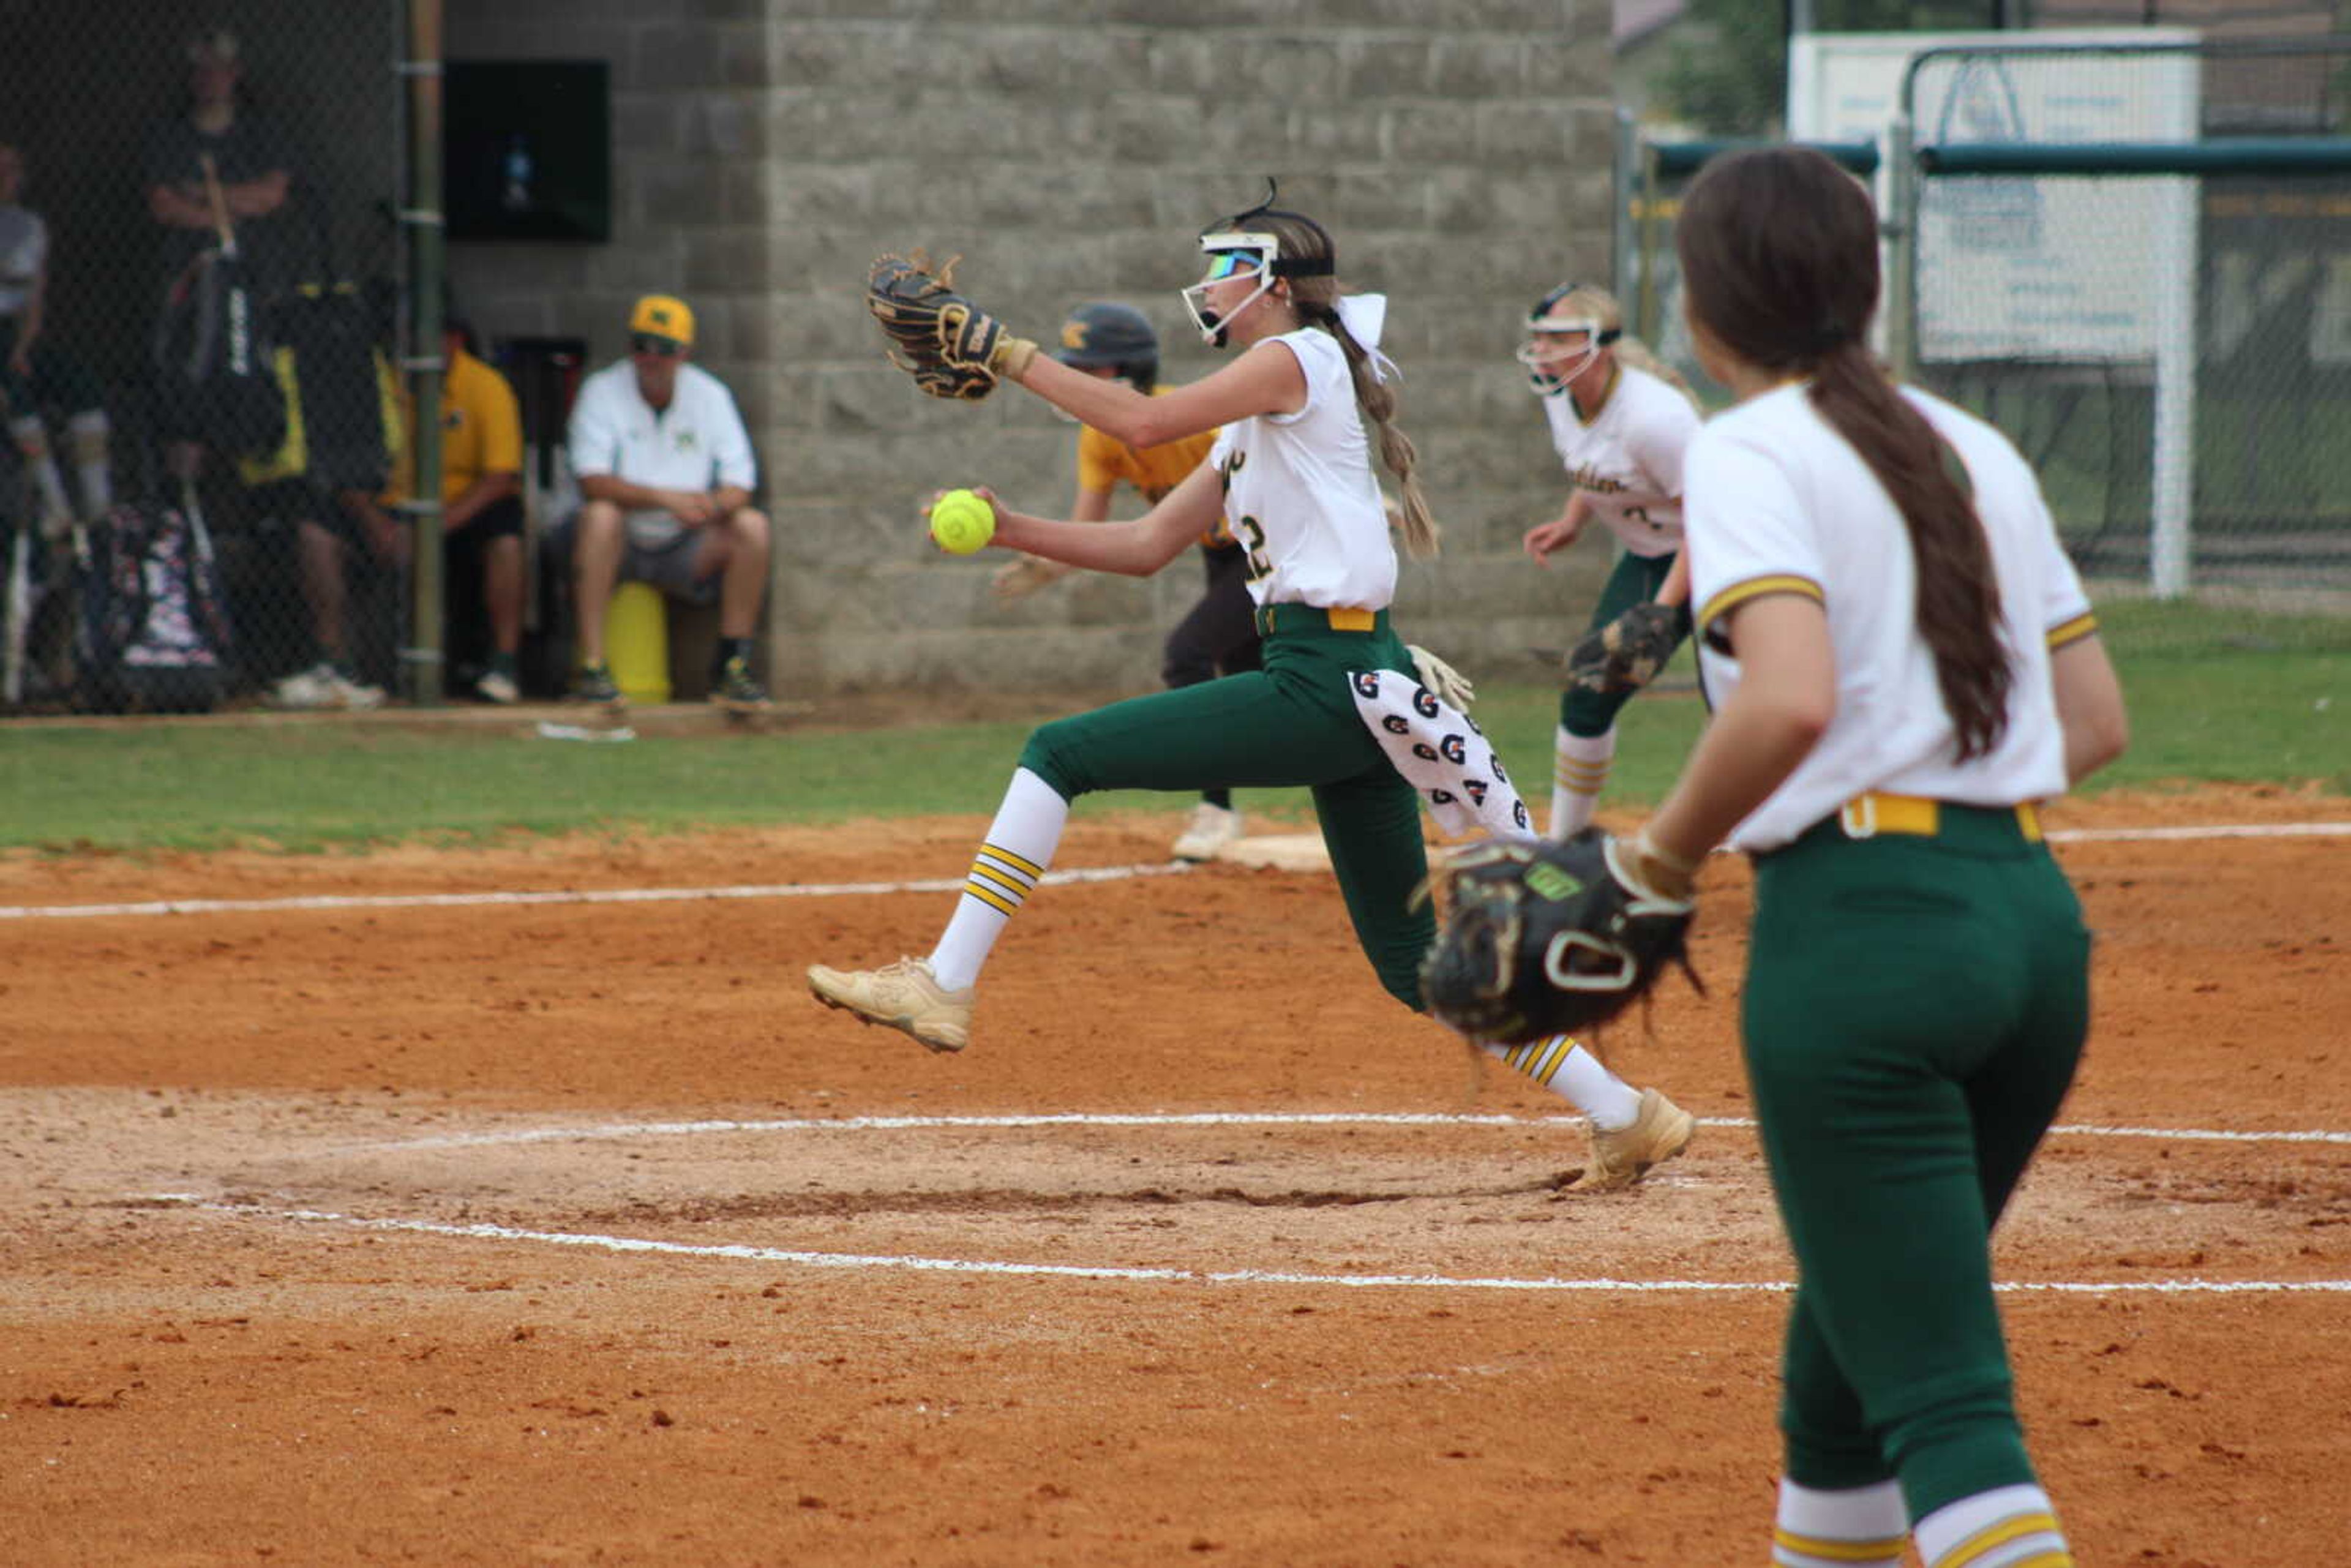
<point x="565" y="896"/>
<point x="2158" y="835"/>
<point x="914" y="1264"/>
<point x="493" y="900"/>
<point x="1199" y="1119"/>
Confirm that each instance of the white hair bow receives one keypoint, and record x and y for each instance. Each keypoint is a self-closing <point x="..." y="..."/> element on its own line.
<point x="1364" y="315"/>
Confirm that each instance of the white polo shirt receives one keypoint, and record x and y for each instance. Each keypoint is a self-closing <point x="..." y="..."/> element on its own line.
<point x="1627" y="458"/>
<point x="697" y="443"/>
<point x="1778" y="502"/>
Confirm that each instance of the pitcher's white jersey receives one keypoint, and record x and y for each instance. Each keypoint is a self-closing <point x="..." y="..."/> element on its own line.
<point x="1628" y="457"/>
<point x="1780" y="503"/>
<point x="1300" y="494"/>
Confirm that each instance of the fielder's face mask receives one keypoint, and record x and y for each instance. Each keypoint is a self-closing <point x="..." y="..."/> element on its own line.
<point x="1559" y="346"/>
<point x="1231" y="254"/>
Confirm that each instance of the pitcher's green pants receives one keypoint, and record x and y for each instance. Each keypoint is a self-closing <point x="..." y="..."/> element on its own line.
<point x="1290" y="722"/>
<point x="1914" y="1007"/>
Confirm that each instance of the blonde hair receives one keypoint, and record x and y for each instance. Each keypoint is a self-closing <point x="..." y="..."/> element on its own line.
<point x="1588" y="299"/>
<point x="1317" y="300"/>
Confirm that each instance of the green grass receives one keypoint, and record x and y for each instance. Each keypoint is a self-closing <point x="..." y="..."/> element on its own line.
<point x="2215" y="695"/>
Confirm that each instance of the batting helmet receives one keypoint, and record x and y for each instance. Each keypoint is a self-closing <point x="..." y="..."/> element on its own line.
<point x="1114" y="335"/>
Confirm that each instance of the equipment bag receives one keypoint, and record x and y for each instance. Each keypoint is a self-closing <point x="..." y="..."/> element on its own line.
<point x="154" y="632"/>
<point x="214" y="358"/>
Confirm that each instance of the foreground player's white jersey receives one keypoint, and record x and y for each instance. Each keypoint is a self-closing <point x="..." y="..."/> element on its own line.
<point x="1300" y="494"/>
<point x="1628" y="456"/>
<point x="1780" y="503"/>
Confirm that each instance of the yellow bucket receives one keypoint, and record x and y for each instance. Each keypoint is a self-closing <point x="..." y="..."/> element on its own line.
<point x="636" y="642"/>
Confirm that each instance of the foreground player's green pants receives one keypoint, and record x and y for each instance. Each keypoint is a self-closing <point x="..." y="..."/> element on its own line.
<point x="1290" y="722"/>
<point x="1635" y="580"/>
<point x="1913" y="1011"/>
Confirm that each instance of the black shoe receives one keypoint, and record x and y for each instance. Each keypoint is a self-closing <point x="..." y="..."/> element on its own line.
<point x="735" y="690"/>
<point x="593" y="684"/>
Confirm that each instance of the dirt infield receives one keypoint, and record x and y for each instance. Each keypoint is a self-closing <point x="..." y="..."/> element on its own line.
<point x="573" y="1232"/>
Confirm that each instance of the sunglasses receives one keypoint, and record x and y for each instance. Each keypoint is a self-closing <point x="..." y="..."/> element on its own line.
<point x="646" y="343"/>
<point x="1227" y="263"/>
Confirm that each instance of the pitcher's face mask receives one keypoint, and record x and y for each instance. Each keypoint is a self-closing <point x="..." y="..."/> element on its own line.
<point x="1231" y="254"/>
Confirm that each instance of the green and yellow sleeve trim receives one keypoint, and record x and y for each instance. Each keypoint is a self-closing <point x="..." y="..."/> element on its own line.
<point x="1739" y="593"/>
<point x="2072" y="630"/>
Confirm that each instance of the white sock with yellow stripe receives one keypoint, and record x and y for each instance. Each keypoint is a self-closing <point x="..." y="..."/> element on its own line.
<point x="1579" y="771"/>
<point x="1860" y="1526"/>
<point x="1573" y="1073"/>
<point x="2007" y="1527"/>
<point x="1019" y="846"/>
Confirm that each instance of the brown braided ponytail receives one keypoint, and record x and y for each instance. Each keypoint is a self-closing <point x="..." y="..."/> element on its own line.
<point x="1779" y="257"/>
<point x="1317" y="301"/>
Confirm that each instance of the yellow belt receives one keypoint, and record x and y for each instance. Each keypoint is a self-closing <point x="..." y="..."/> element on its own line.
<point x="1299" y="617"/>
<point x="1867" y="816"/>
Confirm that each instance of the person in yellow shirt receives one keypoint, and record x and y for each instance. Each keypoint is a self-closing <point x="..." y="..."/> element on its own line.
<point x="1218" y="635"/>
<point x="481" y="500"/>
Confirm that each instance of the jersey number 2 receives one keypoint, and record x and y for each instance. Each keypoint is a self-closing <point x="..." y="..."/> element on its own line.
<point x="1259" y="566"/>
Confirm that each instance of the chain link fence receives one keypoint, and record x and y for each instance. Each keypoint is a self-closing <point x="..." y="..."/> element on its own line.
<point x="202" y="300"/>
<point x="2171" y="349"/>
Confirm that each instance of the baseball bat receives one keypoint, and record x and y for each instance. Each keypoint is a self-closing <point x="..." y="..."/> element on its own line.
<point x="218" y="203"/>
<point x="20" y="613"/>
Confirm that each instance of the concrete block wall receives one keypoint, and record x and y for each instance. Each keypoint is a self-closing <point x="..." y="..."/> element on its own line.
<point x="1070" y="150"/>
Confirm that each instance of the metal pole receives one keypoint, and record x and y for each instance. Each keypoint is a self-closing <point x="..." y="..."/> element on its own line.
<point x="1901" y="226"/>
<point x="1645" y="309"/>
<point x="1620" y="232"/>
<point x="423" y="216"/>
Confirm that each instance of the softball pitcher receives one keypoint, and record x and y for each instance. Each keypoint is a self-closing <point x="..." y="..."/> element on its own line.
<point x="1290" y="476"/>
<point x="1217" y="636"/>
<point x="1903" y="662"/>
<point x="1620" y="421"/>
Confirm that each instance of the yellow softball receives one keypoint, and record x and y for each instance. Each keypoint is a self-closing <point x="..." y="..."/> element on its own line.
<point x="962" y="521"/>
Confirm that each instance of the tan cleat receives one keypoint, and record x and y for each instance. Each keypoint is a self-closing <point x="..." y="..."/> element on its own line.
<point x="1620" y="1158"/>
<point x="1210" y="829"/>
<point x="903" y="996"/>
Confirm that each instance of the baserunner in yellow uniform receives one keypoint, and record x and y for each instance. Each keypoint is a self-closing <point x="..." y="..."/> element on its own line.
<point x="1903" y="662"/>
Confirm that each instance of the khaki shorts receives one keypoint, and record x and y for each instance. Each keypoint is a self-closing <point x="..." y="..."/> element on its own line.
<point x="670" y="567"/>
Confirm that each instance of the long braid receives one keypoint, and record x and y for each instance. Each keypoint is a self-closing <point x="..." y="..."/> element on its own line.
<point x="1316" y="299"/>
<point x="1377" y="403"/>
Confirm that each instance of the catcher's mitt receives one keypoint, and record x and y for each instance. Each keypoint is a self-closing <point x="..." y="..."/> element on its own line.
<point x="951" y="346"/>
<point x="1548" y="938"/>
<point x="1626" y="654"/>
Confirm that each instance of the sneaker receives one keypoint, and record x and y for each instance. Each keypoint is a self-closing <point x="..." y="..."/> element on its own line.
<point x="324" y="686"/>
<point x="1210" y="829"/>
<point x="303" y="689"/>
<point x="903" y="996"/>
<point x="351" y="694"/>
<point x="735" y="690"/>
<point x="497" y="687"/>
<point x="594" y="683"/>
<point x="1621" y="1158"/>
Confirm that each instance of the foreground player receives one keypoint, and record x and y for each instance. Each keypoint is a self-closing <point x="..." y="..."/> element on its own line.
<point x="1291" y="474"/>
<point x="1217" y="636"/>
<point x="1619" y="421"/>
<point x="1903" y="662"/>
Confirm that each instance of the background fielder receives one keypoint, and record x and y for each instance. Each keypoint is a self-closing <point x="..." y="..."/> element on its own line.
<point x="1620" y="422"/>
